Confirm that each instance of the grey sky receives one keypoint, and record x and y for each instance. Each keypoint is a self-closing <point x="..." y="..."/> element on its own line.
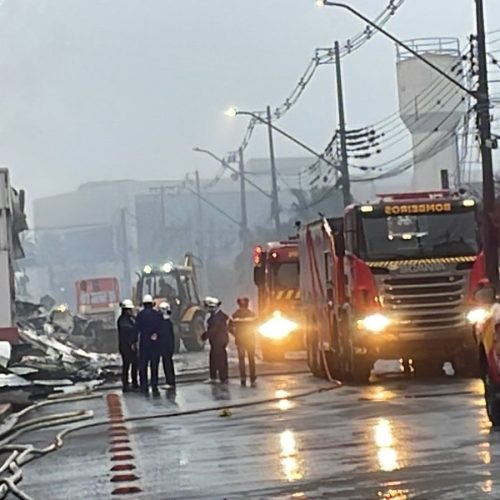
<point x="105" y="89"/>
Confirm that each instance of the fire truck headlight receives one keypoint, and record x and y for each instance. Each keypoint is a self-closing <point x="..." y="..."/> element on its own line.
<point x="374" y="323"/>
<point x="277" y="327"/>
<point x="147" y="269"/>
<point x="478" y="315"/>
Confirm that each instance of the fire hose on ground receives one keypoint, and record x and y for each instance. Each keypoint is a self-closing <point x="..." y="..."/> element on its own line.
<point x="23" y="454"/>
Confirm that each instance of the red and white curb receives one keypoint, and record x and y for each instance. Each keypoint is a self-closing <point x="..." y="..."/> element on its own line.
<point x="123" y="468"/>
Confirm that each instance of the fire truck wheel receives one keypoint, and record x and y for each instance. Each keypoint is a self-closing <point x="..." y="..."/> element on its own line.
<point x="194" y="343"/>
<point x="492" y="399"/>
<point x="313" y="358"/>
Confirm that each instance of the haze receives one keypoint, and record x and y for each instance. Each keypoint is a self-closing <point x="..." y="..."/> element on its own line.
<point x="115" y="89"/>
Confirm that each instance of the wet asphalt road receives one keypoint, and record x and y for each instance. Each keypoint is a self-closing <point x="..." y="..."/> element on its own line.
<point x="395" y="439"/>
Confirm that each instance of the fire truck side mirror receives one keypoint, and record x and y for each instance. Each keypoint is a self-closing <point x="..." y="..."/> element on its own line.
<point x="485" y="295"/>
<point x="259" y="275"/>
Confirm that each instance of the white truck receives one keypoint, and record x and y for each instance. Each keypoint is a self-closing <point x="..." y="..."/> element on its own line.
<point x="12" y="224"/>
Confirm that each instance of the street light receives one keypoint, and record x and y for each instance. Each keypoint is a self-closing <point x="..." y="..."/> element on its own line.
<point x="225" y="164"/>
<point x="232" y="112"/>
<point x="481" y="95"/>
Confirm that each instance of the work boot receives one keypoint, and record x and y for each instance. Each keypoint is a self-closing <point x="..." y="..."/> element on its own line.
<point x="156" y="392"/>
<point x="125" y="388"/>
<point x="243" y="383"/>
<point x="254" y="383"/>
<point x="224" y="382"/>
<point x="210" y="381"/>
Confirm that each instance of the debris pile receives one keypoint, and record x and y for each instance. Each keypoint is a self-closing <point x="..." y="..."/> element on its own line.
<point x="47" y="360"/>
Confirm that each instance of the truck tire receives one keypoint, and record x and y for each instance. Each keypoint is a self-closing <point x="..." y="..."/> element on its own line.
<point x="335" y="365"/>
<point x="492" y="399"/>
<point x="314" y="357"/>
<point x="194" y="342"/>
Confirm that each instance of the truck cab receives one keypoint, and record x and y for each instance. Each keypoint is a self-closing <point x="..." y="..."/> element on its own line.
<point x="403" y="270"/>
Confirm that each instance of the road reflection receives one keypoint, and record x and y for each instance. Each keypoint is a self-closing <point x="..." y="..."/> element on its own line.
<point x="290" y="461"/>
<point x="387" y="454"/>
<point x="283" y="404"/>
<point x="393" y="494"/>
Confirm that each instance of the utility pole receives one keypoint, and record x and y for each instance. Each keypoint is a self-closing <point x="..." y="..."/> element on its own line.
<point x="125" y="253"/>
<point x="484" y="124"/>
<point x="275" y="208"/>
<point x="245" y="254"/>
<point x="243" y="198"/>
<point x="201" y="236"/>
<point x="344" y="164"/>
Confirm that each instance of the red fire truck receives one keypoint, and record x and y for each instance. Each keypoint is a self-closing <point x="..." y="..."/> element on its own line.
<point x="392" y="280"/>
<point x="98" y="299"/>
<point x="276" y="275"/>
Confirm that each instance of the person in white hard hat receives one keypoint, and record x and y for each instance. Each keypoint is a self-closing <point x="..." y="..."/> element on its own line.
<point x="149" y="325"/>
<point x="167" y="342"/>
<point x="127" y="344"/>
<point x="218" y="337"/>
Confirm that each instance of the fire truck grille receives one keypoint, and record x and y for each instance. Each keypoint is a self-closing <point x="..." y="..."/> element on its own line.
<point x="426" y="302"/>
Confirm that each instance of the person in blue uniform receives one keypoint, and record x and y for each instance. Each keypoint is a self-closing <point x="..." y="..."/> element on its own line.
<point x="167" y="342"/>
<point x="218" y="337"/>
<point x="127" y="344"/>
<point x="149" y="325"/>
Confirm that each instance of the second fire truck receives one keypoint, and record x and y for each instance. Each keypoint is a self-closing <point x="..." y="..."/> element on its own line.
<point x="276" y="275"/>
<point x="392" y="280"/>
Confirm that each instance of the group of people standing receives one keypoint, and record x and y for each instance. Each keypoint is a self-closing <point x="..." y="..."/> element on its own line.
<point x="148" y="338"/>
<point x="142" y="342"/>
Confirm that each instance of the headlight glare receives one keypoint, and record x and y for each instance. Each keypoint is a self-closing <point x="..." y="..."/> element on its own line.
<point x="277" y="327"/>
<point x="374" y="323"/>
<point x="478" y="315"/>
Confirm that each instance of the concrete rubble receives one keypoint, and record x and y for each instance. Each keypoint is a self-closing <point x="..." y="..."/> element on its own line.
<point x="45" y="361"/>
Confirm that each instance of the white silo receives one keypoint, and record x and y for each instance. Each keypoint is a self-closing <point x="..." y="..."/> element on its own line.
<point x="432" y="107"/>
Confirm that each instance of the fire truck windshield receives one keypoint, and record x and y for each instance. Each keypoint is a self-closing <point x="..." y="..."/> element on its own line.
<point x="419" y="236"/>
<point x="285" y="275"/>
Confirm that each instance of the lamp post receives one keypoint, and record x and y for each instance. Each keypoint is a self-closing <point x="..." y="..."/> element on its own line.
<point x="232" y="112"/>
<point x="227" y="165"/>
<point x="481" y="95"/>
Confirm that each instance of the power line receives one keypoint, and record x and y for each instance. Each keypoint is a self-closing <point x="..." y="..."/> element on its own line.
<point x="348" y="47"/>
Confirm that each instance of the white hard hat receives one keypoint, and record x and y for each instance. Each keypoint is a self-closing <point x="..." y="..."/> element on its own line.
<point x="147" y="299"/>
<point x="127" y="304"/>
<point x="211" y="302"/>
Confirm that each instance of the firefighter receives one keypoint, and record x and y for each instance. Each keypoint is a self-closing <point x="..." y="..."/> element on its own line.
<point x="217" y="335"/>
<point x="242" y="327"/>
<point x="127" y="344"/>
<point x="149" y="325"/>
<point x="167" y="345"/>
